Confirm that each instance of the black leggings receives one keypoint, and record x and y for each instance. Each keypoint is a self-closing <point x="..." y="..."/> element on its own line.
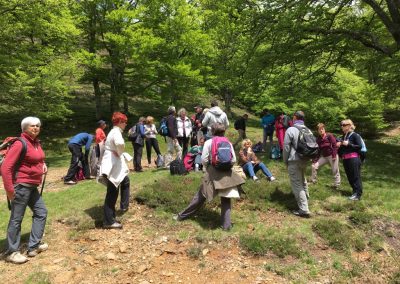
<point x="151" y="142"/>
<point x="352" y="168"/>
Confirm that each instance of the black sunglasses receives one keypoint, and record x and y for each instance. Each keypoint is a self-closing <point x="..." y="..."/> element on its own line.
<point x="344" y="125"/>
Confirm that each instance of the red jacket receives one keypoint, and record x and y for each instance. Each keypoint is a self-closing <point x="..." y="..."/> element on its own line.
<point x="31" y="169"/>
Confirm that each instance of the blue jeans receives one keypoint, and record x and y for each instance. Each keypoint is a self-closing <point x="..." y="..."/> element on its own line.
<point x="251" y="169"/>
<point x="26" y="196"/>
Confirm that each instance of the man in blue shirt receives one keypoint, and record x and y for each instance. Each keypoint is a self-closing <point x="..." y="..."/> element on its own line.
<point x="75" y="147"/>
<point x="138" y="145"/>
<point x="268" y="124"/>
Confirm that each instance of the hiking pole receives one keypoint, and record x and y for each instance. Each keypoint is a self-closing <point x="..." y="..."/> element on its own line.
<point x="44" y="179"/>
<point x="8" y="204"/>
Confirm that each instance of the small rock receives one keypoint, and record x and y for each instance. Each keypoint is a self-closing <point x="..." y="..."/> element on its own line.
<point x="111" y="256"/>
<point x="89" y="259"/>
<point x="58" y="260"/>
<point x="162" y="239"/>
<point x="168" y="274"/>
<point x="250" y="227"/>
<point x="144" y="282"/>
<point x="93" y="238"/>
<point x="122" y="249"/>
<point x="142" y="268"/>
<point x="205" y="251"/>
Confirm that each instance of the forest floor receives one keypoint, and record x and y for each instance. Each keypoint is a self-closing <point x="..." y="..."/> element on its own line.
<point x="152" y="248"/>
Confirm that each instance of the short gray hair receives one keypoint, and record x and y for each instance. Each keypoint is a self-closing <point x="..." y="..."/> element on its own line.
<point x="171" y="109"/>
<point x="30" y="120"/>
<point x="181" y="110"/>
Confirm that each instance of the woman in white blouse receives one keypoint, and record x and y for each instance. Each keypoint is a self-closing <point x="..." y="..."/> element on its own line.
<point x="184" y="126"/>
<point x="114" y="168"/>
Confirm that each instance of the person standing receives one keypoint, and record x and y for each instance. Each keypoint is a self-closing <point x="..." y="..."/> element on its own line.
<point x="240" y="126"/>
<point x="215" y="182"/>
<point x="267" y="122"/>
<point x="197" y="132"/>
<point x="282" y="123"/>
<point x="214" y="115"/>
<point x="173" y="146"/>
<point x="138" y="144"/>
<point x="296" y="166"/>
<point x="75" y="145"/>
<point x="21" y="177"/>
<point x="349" y="150"/>
<point x="115" y="170"/>
<point x="328" y="155"/>
<point x="184" y="126"/>
<point x="100" y="138"/>
<point x="150" y="133"/>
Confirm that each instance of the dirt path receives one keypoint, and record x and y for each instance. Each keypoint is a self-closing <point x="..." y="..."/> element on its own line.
<point x="135" y="255"/>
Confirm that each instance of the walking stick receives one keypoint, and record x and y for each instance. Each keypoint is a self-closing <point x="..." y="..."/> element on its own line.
<point x="44" y="179"/>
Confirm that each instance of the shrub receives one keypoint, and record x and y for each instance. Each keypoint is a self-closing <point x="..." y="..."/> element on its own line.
<point x="338" y="235"/>
<point x="360" y="218"/>
<point x="278" y="243"/>
<point x="194" y="252"/>
<point x="335" y="233"/>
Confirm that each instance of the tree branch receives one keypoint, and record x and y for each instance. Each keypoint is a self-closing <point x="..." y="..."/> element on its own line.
<point x="367" y="39"/>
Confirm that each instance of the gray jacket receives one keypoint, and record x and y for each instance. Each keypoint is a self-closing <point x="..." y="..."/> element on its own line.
<point x="215" y="114"/>
<point x="290" y="144"/>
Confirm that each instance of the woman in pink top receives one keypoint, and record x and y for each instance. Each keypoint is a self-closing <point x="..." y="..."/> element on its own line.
<point x="282" y="123"/>
<point x="22" y="174"/>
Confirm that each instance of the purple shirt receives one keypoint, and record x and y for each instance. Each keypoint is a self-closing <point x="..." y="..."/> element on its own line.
<point x="327" y="145"/>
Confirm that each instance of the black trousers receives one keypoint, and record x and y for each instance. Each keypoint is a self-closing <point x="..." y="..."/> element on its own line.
<point x="111" y="200"/>
<point x="184" y="143"/>
<point x="352" y="168"/>
<point x="151" y="142"/>
<point x="137" y="156"/>
<point x="77" y="155"/>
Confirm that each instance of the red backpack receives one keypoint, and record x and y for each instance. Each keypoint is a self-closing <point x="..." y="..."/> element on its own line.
<point x="5" y="146"/>
<point x="221" y="153"/>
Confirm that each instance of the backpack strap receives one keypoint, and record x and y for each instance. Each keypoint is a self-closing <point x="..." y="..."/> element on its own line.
<point x="21" y="156"/>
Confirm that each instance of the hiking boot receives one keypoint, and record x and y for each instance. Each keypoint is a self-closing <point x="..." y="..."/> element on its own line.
<point x="176" y="217"/>
<point x="17" y="258"/>
<point x="354" y="197"/>
<point x="69" y="182"/>
<point x="115" y="225"/>
<point x="272" y="178"/>
<point x="301" y="214"/>
<point x="42" y="247"/>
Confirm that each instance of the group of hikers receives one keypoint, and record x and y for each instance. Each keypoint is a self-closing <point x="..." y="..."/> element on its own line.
<point x="24" y="166"/>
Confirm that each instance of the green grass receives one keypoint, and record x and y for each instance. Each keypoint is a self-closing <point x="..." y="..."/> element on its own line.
<point x="279" y="243"/>
<point x="290" y="246"/>
<point x="339" y="236"/>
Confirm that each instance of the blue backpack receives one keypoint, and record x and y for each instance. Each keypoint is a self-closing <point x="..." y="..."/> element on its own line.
<point x="163" y="130"/>
<point x="363" y="151"/>
<point x="275" y="152"/>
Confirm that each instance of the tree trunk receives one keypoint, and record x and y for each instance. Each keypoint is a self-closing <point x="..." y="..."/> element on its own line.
<point x="92" y="49"/>
<point x="228" y="102"/>
<point x="126" y="105"/>
<point x="97" y="97"/>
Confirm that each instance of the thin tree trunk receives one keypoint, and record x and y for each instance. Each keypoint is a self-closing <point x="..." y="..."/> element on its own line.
<point x="97" y="97"/>
<point x="228" y="102"/>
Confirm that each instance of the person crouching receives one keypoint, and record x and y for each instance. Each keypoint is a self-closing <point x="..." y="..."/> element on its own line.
<point x="215" y="182"/>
